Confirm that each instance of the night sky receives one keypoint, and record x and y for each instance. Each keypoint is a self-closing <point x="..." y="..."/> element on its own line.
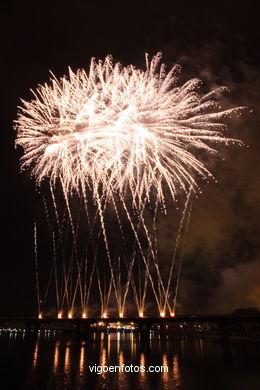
<point x="218" y="42"/>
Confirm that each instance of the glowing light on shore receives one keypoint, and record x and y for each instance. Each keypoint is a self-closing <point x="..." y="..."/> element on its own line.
<point x="104" y="315"/>
<point x="172" y="314"/>
<point x="141" y="314"/>
<point x="70" y="315"/>
<point x="60" y="315"/>
<point x="121" y="315"/>
<point x="84" y="315"/>
<point x="162" y="314"/>
<point x="40" y="316"/>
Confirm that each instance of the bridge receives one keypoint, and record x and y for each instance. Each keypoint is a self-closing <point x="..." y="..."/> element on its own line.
<point x="82" y="325"/>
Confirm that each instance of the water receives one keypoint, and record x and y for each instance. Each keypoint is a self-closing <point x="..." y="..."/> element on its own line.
<point x="62" y="363"/>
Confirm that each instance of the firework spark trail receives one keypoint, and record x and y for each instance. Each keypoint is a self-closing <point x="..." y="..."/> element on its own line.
<point x="129" y="266"/>
<point x="65" y="295"/>
<point x="52" y="236"/>
<point x="184" y="222"/>
<point x="55" y="271"/>
<point x="146" y="262"/>
<point x="74" y="234"/>
<point x="104" y="295"/>
<point x="36" y="269"/>
<point x="95" y="249"/>
<point x="121" y="132"/>
<point x="187" y="211"/>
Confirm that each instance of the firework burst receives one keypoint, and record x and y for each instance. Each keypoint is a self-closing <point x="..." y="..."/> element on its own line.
<point x="121" y="129"/>
<point x="128" y="138"/>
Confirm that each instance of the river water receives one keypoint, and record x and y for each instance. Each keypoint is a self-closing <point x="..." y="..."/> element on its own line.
<point x="63" y="362"/>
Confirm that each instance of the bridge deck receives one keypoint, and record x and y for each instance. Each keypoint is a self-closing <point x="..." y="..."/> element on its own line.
<point x="136" y="320"/>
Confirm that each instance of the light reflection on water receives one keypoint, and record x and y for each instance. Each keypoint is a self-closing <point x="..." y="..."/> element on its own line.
<point x="63" y="363"/>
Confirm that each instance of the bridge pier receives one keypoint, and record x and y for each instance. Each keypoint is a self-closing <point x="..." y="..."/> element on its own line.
<point x="82" y="329"/>
<point x="31" y="329"/>
<point x="162" y="327"/>
<point x="246" y="329"/>
<point x="224" y="331"/>
<point x="144" y="331"/>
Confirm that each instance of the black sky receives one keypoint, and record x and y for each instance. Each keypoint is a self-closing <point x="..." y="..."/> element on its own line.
<point x="216" y="41"/>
